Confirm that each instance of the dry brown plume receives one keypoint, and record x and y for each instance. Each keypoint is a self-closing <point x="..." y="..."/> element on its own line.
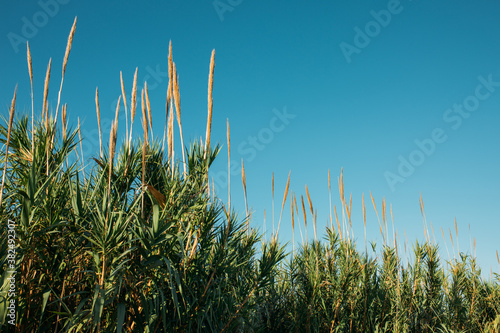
<point x="148" y="108"/>
<point x="30" y="70"/>
<point x="133" y="106"/>
<point x="210" y="103"/>
<point x="244" y="181"/>
<point x="124" y="97"/>
<point x="45" y="95"/>
<point x="284" y="200"/>
<point x="64" y="109"/>
<point x="65" y="62"/>
<point x="177" y="99"/>
<point x="97" y="110"/>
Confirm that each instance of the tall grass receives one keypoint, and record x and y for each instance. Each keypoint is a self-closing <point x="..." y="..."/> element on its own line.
<point x="135" y="242"/>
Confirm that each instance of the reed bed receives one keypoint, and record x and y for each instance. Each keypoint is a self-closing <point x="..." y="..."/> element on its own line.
<point x="135" y="242"/>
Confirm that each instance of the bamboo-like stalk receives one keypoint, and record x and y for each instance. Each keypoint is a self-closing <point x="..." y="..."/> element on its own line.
<point x="167" y="110"/>
<point x="393" y="231"/>
<point x="229" y="169"/>
<point x="364" y="224"/>
<point x="45" y="112"/>
<point x="208" y="187"/>
<point x="330" y="199"/>
<point x="98" y="112"/>
<point x="213" y="191"/>
<point x="9" y="129"/>
<point x="338" y="223"/>
<point x="293" y="222"/>
<point x="170" y="122"/>
<point x="272" y="191"/>
<point x="445" y="244"/>
<point x="384" y="221"/>
<point x="349" y="211"/>
<point x="298" y="218"/>
<point x="452" y="245"/>
<point x="312" y="213"/>
<point x="376" y="212"/>
<point x="210" y="103"/>
<point x="144" y="146"/>
<point x="265" y="230"/>
<point x="80" y="139"/>
<point x="422" y="211"/>
<point x="305" y="215"/>
<point x="315" y="225"/>
<point x="112" y="144"/>
<point x="244" y="181"/>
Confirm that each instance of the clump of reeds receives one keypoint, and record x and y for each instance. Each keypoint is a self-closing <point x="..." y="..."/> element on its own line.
<point x="139" y="246"/>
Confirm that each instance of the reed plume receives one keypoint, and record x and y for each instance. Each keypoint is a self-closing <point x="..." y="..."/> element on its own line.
<point x="210" y="102"/>
<point x="284" y="200"/>
<point x="80" y="138"/>
<point x="244" y="181"/>
<point x="170" y="93"/>
<point x="46" y="112"/>
<point x="112" y="142"/>
<point x="30" y="71"/>
<point x="305" y="215"/>
<point x="170" y="137"/>
<point x="133" y="106"/>
<point x="177" y="99"/>
<point x="65" y="62"/>
<point x="45" y="95"/>
<point x="272" y="193"/>
<point x="98" y="112"/>
<point x="148" y="108"/>
<point x="64" y="109"/>
<point x="124" y="98"/>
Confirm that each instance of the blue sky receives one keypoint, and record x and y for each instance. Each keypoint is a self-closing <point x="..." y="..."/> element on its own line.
<point x="404" y="95"/>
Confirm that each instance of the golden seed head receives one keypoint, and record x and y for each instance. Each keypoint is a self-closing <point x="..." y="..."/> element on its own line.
<point x="30" y="66"/>
<point x="68" y="47"/>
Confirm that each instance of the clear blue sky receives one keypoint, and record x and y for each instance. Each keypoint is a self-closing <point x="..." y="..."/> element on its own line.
<point x="361" y="85"/>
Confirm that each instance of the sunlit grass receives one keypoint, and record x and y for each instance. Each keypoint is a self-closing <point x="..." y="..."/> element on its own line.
<point x="135" y="241"/>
